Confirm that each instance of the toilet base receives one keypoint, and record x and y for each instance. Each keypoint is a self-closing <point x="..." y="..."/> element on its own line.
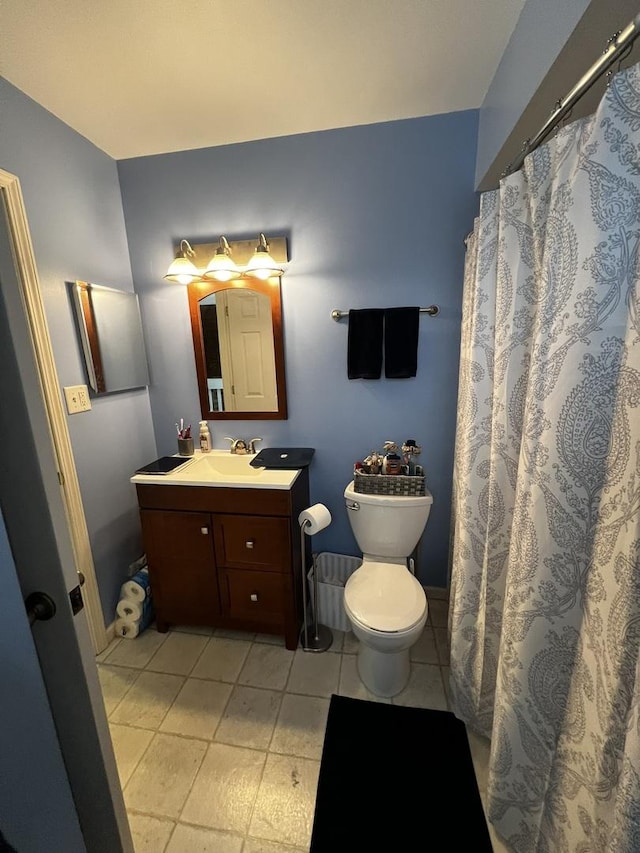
<point x="383" y="674"/>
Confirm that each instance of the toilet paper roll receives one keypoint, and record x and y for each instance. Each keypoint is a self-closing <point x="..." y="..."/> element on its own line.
<point x="137" y="588"/>
<point x="127" y="628"/>
<point x="130" y="610"/>
<point x="318" y="517"/>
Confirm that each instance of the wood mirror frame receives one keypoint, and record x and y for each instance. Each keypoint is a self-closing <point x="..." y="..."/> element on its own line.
<point x="270" y="288"/>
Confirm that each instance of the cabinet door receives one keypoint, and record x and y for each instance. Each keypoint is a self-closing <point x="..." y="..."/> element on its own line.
<point x="182" y="566"/>
<point x="253" y="542"/>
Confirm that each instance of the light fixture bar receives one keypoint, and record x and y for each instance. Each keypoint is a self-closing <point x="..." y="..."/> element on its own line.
<point x="241" y="251"/>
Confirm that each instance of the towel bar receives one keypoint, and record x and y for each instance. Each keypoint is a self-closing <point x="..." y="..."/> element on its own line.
<point x="432" y="310"/>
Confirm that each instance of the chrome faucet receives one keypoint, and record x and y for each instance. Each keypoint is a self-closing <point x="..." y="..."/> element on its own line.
<point x="240" y="446"/>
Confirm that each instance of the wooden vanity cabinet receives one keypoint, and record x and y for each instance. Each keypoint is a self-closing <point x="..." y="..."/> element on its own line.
<point x="225" y="557"/>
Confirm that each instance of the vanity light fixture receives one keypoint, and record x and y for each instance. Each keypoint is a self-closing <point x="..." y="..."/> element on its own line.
<point x="182" y="269"/>
<point x="222" y="266"/>
<point x="228" y="260"/>
<point x="261" y="264"/>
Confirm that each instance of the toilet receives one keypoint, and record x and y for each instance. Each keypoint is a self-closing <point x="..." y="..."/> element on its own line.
<point x="385" y="603"/>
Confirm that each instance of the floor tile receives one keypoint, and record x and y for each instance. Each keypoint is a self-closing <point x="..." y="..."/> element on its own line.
<point x="314" y="673"/>
<point x="106" y="652"/>
<point x="225" y="788"/>
<point x="425" y="688"/>
<point x="148" y="701"/>
<point x="286" y="800"/>
<point x="271" y="639"/>
<point x="351" y="644"/>
<point x="425" y="651"/>
<point x="301" y="726"/>
<point x="115" y="682"/>
<point x="442" y="643"/>
<point x="229" y="634"/>
<point x="222" y="659"/>
<point x="139" y="651"/>
<point x="178" y="654"/>
<point x="203" y="630"/>
<point x="259" y="845"/>
<point x="195" y="839"/>
<point x="350" y="684"/>
<point x="150" y="834"/>
<point x="250" y="717"/>
<point x="266" y="666"/>
<point x="438" y="613"/>
<point x="129" y="745"/>
<point x="338" y="640"/>
<point x="161" y="782"/>
<point x="439" y="593"/>
<point x="197" y="709"/>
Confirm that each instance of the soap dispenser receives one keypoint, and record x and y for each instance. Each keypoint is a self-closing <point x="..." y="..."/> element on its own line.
<point x="205" y="437"/>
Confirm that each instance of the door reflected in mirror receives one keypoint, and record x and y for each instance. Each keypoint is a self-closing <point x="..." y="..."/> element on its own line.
<point x="239" y="350"/>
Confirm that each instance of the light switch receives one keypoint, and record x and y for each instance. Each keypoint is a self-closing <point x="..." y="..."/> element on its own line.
<point x="77" y="397"/>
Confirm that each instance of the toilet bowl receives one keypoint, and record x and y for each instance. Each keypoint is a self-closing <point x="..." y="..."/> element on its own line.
<point x="386" y="605"/>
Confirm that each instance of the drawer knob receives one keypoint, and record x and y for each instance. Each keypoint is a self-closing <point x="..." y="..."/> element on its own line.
<point x="254" y="596"/>
<point x="249" y="544"/>
<point x="204" y="531"/>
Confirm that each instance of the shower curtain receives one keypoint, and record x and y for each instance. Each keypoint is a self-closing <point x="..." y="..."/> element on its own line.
<point x="544" y="615"/>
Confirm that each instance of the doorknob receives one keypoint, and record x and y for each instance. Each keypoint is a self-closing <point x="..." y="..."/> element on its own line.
<point x="81" y="578"/>
<point x="40" y="607"/>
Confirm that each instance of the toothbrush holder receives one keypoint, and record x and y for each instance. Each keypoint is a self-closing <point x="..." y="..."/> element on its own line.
<point x="185" y="446"/>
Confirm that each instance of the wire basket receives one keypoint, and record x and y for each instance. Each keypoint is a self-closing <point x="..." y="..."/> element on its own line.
<point x="389" y="484"/>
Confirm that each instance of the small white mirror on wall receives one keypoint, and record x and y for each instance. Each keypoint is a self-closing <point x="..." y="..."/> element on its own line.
<point x="111" y="336"/>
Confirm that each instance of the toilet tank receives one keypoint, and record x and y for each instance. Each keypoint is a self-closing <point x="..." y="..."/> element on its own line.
<point x="387" y="525"/>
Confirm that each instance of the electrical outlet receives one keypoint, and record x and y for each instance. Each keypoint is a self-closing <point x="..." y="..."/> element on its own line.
<point x="77" y="397"/>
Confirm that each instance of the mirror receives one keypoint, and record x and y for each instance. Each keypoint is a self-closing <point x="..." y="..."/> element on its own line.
<point x="239" y="349"/>
<point x="110" y="332"/>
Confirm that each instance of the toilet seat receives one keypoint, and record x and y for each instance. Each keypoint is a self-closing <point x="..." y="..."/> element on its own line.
<point x="385" y="597"/>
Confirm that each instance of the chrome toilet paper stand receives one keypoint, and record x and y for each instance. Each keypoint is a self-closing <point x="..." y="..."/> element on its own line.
<point x="321" y="637"/>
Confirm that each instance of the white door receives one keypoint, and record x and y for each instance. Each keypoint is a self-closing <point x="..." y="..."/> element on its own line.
<point x="59" y="787"/>
<point x="249" y="331"/>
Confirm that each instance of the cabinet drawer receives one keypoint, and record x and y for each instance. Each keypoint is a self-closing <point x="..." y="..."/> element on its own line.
<point x="252" y="541"/>
<point x="254" y="596"/>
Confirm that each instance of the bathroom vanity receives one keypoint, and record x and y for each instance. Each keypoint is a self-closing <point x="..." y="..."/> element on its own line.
<point x="223" y="545"/>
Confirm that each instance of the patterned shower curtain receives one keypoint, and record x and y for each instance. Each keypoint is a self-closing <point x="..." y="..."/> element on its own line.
<point x="545" y="580"/>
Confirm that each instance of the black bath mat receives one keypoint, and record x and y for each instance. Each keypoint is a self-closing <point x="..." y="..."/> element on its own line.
<point x="396" y="779"/>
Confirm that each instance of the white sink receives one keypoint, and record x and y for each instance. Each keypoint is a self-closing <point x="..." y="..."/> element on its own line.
<point x="226" y="465"/>
<point x="221" y="468"/>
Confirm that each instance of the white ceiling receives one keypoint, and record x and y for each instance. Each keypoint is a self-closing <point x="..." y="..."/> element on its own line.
<point x="153" y="76"/>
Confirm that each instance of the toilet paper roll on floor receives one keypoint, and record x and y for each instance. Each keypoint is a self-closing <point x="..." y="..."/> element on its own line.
<point x="137" y="588"/>
<point x="127" y="628"/>
<point x="318" y="517"/>
<point x="130" y="610"/>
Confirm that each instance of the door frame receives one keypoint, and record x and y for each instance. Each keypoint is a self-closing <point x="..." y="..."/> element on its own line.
<point x="11" y="195"/>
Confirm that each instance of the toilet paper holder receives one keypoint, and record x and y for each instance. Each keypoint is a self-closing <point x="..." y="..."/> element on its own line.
<point x="321" y="637"/>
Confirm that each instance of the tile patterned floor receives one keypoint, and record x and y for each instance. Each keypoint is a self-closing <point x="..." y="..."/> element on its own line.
<point x="218" y="734"/>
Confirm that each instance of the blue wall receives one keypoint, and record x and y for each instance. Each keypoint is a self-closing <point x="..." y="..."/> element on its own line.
<point x="542" y="29"/>
<point x="73" y="204"/>
<point x="376" y="217"/>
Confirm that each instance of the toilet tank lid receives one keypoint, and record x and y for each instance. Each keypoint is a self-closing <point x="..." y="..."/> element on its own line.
<point x="388" y="500"/>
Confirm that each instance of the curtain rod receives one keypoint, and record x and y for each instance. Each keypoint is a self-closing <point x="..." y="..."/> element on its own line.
<point x="617" y="44"/>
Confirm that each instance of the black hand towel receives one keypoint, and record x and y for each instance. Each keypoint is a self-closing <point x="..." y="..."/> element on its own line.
<point x="401" y="327"/>
<point x="364" y="347"/>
